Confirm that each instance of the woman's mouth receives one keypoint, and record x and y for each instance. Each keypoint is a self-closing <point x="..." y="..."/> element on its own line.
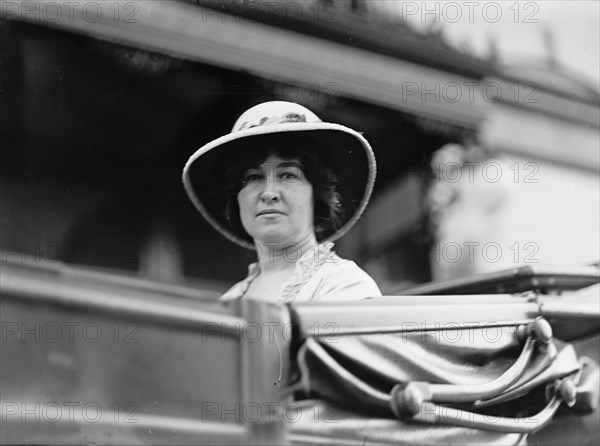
<point x="269" y="212"/>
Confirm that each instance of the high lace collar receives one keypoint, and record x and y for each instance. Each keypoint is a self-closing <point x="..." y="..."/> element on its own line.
<point x="316" y="255"/>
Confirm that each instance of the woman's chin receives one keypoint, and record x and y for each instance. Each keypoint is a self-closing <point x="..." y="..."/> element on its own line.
<point x="271" y="237"/>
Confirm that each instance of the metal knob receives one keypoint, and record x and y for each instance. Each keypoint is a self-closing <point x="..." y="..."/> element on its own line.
<point x="542" y="330"/>
<point x="568" y="392"/>
<point x="406" y="401"/>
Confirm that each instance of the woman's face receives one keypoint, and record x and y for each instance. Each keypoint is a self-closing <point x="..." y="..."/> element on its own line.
<point x="276" y="202"/>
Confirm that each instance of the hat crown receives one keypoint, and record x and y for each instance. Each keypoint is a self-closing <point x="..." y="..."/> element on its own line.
<point x="272" y="113"/>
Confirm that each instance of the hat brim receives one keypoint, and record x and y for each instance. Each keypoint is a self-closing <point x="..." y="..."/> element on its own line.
<point x="348" y="150"/>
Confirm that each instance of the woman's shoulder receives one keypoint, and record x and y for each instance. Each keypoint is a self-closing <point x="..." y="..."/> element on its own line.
<point x="346" y="270"/>
<point x="344" y="279"/>
<point x="240" y="288"/>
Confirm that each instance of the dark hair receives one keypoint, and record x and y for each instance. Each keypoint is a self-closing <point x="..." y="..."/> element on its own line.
<point x="328" y="209"/>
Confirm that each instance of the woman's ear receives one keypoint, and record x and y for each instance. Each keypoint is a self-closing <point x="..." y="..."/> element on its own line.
<point x="229" y="212"/>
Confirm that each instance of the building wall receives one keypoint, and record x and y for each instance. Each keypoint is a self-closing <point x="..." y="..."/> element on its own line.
<point x="513" y="210"/>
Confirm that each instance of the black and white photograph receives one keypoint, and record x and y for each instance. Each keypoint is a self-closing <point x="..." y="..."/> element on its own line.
<point x="299" y="222"/>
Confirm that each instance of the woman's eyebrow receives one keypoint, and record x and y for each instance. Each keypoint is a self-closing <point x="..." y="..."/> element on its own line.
<point x="290" y="164"/>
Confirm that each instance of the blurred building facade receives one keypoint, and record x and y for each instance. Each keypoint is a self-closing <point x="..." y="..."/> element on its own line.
<point x="100" y="114"/>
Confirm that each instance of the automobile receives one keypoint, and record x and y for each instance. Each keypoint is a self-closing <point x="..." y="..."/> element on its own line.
<point x="92" y="357"/>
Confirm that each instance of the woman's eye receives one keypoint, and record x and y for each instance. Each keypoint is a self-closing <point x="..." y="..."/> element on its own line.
<point x="288" y="176"/>
<point x="251" y="178"/>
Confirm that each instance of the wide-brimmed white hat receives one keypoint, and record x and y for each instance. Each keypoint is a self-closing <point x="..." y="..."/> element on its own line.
<point x="348" y="151"/>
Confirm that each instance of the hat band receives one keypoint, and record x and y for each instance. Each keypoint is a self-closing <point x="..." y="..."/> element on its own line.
<point x="277" y="119"/>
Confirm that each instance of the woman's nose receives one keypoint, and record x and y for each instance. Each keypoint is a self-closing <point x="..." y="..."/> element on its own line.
<point x="270" y="194"/>
<point x="269" y="197"/>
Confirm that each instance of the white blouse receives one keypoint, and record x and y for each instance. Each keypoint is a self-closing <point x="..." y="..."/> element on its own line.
<point x="320" y="274"/>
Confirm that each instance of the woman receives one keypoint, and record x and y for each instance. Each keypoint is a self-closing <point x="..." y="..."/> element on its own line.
<point x="287" y="184"/>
